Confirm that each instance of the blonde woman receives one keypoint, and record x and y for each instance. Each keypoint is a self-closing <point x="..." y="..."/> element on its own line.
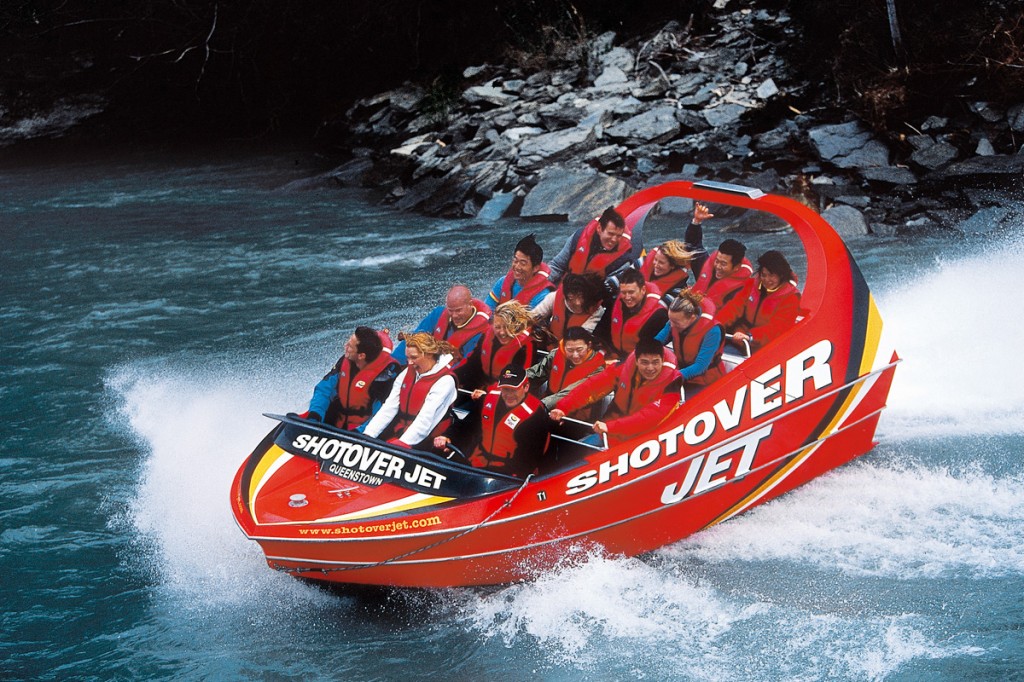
<point x="507" y="342"/>
<point x="418" y="407"/>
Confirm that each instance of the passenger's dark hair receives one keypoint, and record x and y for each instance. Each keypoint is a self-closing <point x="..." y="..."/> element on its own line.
<point x="733" y="249"/>
<point x="589" y="285"/>
<point x="648" y="345"/>
<point x="631" y="276"/>
<point x="529" y="247"/>
<point x="612" y="216"/>
<point x="578" y="334"/>
<point x="368" y="342"/>
<point x="775" y="263"/>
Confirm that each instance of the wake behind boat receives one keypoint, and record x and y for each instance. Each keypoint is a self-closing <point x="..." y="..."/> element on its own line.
<point x="339" y="506"/>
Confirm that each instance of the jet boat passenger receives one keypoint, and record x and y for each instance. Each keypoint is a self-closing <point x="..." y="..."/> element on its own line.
<point x="604" y="246"/>
<point x="574" y="360"/>
<point x="526" y="280"/>
<point x="462" y="321"/>
<point x="668" y="268"/>
<point x="696" y="337"/>
<point x="417" y="409"/>
<point x="725" y="273"/>
<point x="358" y="383"/>
<point x="506" y="342"/>
<point x="638" y="311"/>
<point x="647" y="390"/>
<point x="576" y="303"/>
<point x="767" y="306"/>
<point x="508" y="432"/>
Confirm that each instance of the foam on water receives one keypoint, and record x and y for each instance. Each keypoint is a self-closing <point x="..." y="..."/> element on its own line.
<point x="417" y="257"/>
<point x="197" y="426"/>
<point x="958" y="327"/>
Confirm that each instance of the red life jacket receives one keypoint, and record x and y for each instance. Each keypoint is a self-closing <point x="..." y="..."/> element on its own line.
<point x="354" y="402"/>
<point x="722" y="290"/>
<point x="494" y="358"/>
<point x="628" y="399"/>
<point x="562" y="318"/>
<point x="497" y="450"/>
<point x="625" y="332"/>
<point x="761" y="312"/>
<point x="583" y="261"/>
<point x="411" y="397"/>
<point x="538" y="283"/>
<point x="687" y="345"/>
<point x="460" y="336"/>
<point x="673" y="279"/>
<point x="562" y="374"/>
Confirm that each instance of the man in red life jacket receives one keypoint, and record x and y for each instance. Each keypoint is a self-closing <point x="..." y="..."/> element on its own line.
<point x="647" y="390"/>
<point x="696" y="337"/>
<point x="359" y="382"/>
<point x="462" y="321"/>
<point x="604" y="246"/>
<point x="768" y="305"/>
<point x="564" y="368"/>
<point x="417" y="409"/>
<point x="527" y="280"/>
<point x="638" y="311"/>
<point x="725" y="273"/>
<point x="508" y="432"/>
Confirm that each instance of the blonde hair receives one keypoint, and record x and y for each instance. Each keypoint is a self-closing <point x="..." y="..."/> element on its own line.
<point x="677" y="253"/>
<point x="515" y="315"/>
<point x="687" y="302"/>
<point x="429" y="345"/>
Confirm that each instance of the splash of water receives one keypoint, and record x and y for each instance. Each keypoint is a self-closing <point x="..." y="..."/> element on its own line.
<point x="957" y="326"/>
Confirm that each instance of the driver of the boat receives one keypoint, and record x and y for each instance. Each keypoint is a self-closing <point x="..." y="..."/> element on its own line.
<point x="526" y="280"/>
<point x="418" y="407"/>
<point x="507" y="431"/>
<point x="646" y="388"/>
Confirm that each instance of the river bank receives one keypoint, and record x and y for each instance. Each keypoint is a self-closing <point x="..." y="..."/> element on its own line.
<point x="727" y="105"/>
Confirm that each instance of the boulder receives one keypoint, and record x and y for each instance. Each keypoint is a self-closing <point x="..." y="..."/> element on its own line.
<point x="935" y="155"/>
<point x="576" y="196"/>
<point x="723" y="115"/>
<point x="497" y="206"/>
<point x="618" y="58"/>
<point x="849" y="145"/>
<point x="352" y="172"/>
<point x="889" y="175"/>
<point x="611" y="75"/>
<point x="998" y="165"/>
<point x="767" y="90"/>
<point x="487" y="94"/>
<point x="649" y="126"/>
<point x="847" y="221"/>
<point x="553" y="143"/>
<point x="1015" y="117"/>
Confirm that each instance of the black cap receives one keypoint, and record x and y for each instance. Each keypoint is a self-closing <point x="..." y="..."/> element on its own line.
<point x="512" y="375"/>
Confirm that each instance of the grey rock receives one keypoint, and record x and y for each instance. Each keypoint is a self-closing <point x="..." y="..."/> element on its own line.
<point x="649" y="126"/>
<point x="855" y="200"/>
<point x="497" y="206"/>
<point x="576" y="196"/>
<point x="778" y="138"/>
<point x="935" y="123"/>
<point x="692" y="121"/>
<point x="487" y="94"/>
<point x="521" y="132"/>
<point x="758" y="221"/>
<point x="767" y="90"/>
<point x="987" y="111"/>
<point x="699" y="98"/>
<point x="1015" y="117"/>
<point x="935" y="156"/>
<point x="890" y="175"/>
<point x="619" y="58"/>
<point x="688" y="83"/>
<point x="485" y="176"/>
<point x="723" y="115"/>
<point x="352" y="172"/>
<point x="849" y="145"/>
<point x="610" y="76"/>
<point x="997" y="165"/>
<point x="514" y="86"/>
<point x="920" y="142"/>
<point x="992" y="219"/>
<point x="473" y="71"/>
<point x="847" y="221"/>
<point x="985" y="147"/>
<point x="605" y="156"/>
<point x="406" y="99"/>
<point x="554" y="143"/>
<point x="741" y="69"/>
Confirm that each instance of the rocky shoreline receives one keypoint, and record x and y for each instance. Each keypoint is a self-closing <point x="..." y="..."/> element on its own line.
<point x="563" y="143"/>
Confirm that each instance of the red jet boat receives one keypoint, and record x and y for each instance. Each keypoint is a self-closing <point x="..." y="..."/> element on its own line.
<point x="338" y="506"/>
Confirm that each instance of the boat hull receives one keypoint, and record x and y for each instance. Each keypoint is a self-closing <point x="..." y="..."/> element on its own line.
<point x="803" y="405"/>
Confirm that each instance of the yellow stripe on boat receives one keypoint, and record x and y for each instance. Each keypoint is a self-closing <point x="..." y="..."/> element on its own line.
<point x="272" y="460"/>
<point x="415" y="501"/>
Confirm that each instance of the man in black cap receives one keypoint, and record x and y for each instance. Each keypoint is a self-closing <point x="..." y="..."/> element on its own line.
<point x="508" y="432"/>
